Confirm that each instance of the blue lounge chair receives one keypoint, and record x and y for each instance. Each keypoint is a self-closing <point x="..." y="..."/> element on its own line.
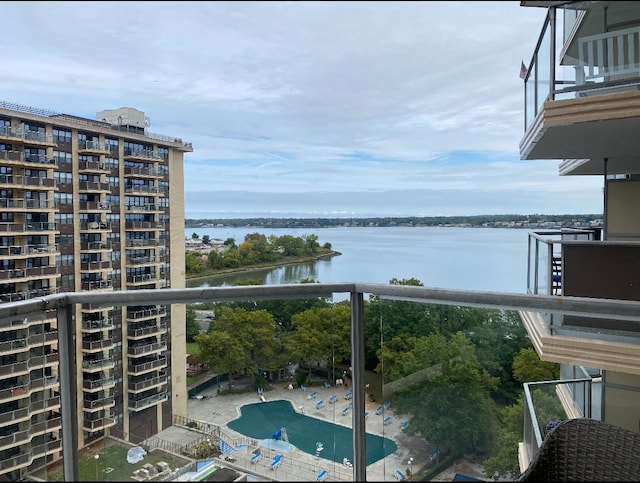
<point x="379" y="410"/>
<point x="322" y="475"/>
<point x="348" y="394"/>
<point x="312" y="395"/>
<point x="327" y="385"/>
<point x="400" y="475"/>
<point x="277" y="459"/>
<point x="387" y="420"/>
<point x="303" y="387"/>
<point x="387" y="404"/>
<point x="319" y="404"/>
<point x="332" y="399"/>
<point x="256" y="457"/>
<point x="404" y="425"/>
<point x="345" y="411"/>
<point x="366" y="414"/>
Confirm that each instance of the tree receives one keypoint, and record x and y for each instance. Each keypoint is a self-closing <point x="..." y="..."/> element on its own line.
<point x="194" y="236"/>
<point x="222" y="352"/>
<point x="528" y="367"/>
<point x="320" y="334"/>
<point x="444" y="388"/>
<point x="253" y="332"/>
<point x="206" y="239"/>
<point x="193" y="327"/>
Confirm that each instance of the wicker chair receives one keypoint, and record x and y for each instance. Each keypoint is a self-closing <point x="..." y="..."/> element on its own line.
<point x="586" y="450"/>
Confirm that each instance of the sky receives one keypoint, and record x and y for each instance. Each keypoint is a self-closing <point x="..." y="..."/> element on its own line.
<point x="308" y="109"/>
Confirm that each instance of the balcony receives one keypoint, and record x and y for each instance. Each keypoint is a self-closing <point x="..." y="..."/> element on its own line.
<point x="582" y="102"/>
<point x="16" y="181"/>
<point x="147" y="383"/>
<point x="97" y="424"/>
<point x="94" y="206"/>
<point x="93" y="147"/>
<point x="140" y="404"/>
<point x="141" y="154"/>
<point x="354" y="337"/>
<point x="549" y="401"/>
<point x="143" y="367"/>
<point x="22" y="204"/>
<point x="146" y="314"/>
<point x="97" y="265"/>
<point x="146" y="349"/>
<point x="28" y="228"/>
<point x="576" y="263"/>
<point x="20" y="135"/>
<point x="94" y="187"/>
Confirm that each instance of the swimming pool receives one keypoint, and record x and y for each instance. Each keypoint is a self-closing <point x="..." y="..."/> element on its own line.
<point x="261" y="420"/>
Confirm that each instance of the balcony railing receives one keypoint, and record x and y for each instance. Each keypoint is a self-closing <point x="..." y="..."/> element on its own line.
<point x="543" y="405"/>
<point x="65" y="305"/>
<point x="596" y="63"/>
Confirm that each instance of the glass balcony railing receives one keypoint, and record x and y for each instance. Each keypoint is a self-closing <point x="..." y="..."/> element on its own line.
<point x="543" y="408"/>
<point x="353" y="324"/>
<point x="596" y="61"/>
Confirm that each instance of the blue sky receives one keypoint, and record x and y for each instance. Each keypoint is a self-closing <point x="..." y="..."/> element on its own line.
<point x="308" y="108"/>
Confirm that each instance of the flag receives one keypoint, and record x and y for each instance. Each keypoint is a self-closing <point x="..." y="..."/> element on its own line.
<point x="523" y="70"/>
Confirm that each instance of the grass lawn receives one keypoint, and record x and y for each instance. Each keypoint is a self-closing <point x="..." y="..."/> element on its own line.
<point x="192" y="348"/>
<point x="112" y="465"/>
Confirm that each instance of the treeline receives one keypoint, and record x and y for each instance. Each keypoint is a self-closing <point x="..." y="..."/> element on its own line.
<point x="455" y="373"/>
<point x="256" y="250"/>
<point x="476" y="220"/>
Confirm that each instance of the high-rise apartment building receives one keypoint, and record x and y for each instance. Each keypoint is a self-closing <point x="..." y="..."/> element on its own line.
<point x="89" y="205"/>
<point x="582" y="107"/>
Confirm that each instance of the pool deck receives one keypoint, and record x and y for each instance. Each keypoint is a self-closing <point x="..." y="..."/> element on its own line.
<point x="298" y="465"/>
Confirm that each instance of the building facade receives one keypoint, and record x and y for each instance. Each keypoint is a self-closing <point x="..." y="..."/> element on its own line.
<point x="92" y="205"/>
<point x="582" y="107"/>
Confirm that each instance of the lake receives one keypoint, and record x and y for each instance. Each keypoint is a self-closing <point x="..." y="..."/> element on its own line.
<point x="487" y="259"/>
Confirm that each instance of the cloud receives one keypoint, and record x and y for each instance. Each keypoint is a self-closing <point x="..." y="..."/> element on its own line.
<point x="294" y="97"/>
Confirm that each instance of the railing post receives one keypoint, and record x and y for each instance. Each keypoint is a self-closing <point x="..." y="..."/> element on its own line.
<point x="357" y="379"/>
<point x="68" y="393"/>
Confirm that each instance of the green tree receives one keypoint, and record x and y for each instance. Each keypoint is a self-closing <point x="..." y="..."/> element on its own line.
<point x="206" y="239"/>
<point x="222" y="352"/>
<point x="193" y="262"/>
<point x="254" y="331"/>
<point x="320" y="335"/>
<point x="194" y="236"/>
<point x="528" y="367"/>
<point x="193" y="327"/>
<point x="447" y="393"/>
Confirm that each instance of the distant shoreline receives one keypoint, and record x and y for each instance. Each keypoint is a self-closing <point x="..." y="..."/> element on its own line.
<point x="480" y="221"/>
<point x="253" y="268"/>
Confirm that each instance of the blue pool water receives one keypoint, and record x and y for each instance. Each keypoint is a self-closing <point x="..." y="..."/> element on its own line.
<point x="261" y="420"/>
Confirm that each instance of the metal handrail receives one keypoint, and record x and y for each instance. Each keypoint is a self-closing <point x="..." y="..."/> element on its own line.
<point x="64" y="304"/>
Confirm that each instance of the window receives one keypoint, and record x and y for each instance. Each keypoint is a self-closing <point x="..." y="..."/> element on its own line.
<point x="111" y="163"/>
<point x="61" y="136"/>
<point x="62" y="157"/>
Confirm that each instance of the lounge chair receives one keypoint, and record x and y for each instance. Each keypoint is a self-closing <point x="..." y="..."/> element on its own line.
<point x="387" y="420"/>
<point x="332" y="399"/>
<point x="366" y="414"/>
<point x="277" y="460"/>
<point x="404" y="425"/>
<point x="303" y="387"/>
<point x="319" y="404"/>
<point x="322" y="475"/>
<point x="400" y="475"/>
<point x="345" y="411"/>
<point x="348" y="394"/>
<point x="256" y="457"/>
<point x="327" y="385"/>
<point x="379" y="410"/>
<point x="312" y="395"/>
<point x="386" y="404"/>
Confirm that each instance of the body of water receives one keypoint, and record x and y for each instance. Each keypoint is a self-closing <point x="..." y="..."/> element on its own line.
<point x="488" y="259"/>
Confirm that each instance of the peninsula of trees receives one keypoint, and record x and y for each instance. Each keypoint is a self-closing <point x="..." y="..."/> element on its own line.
<point x="502" y="221"/>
